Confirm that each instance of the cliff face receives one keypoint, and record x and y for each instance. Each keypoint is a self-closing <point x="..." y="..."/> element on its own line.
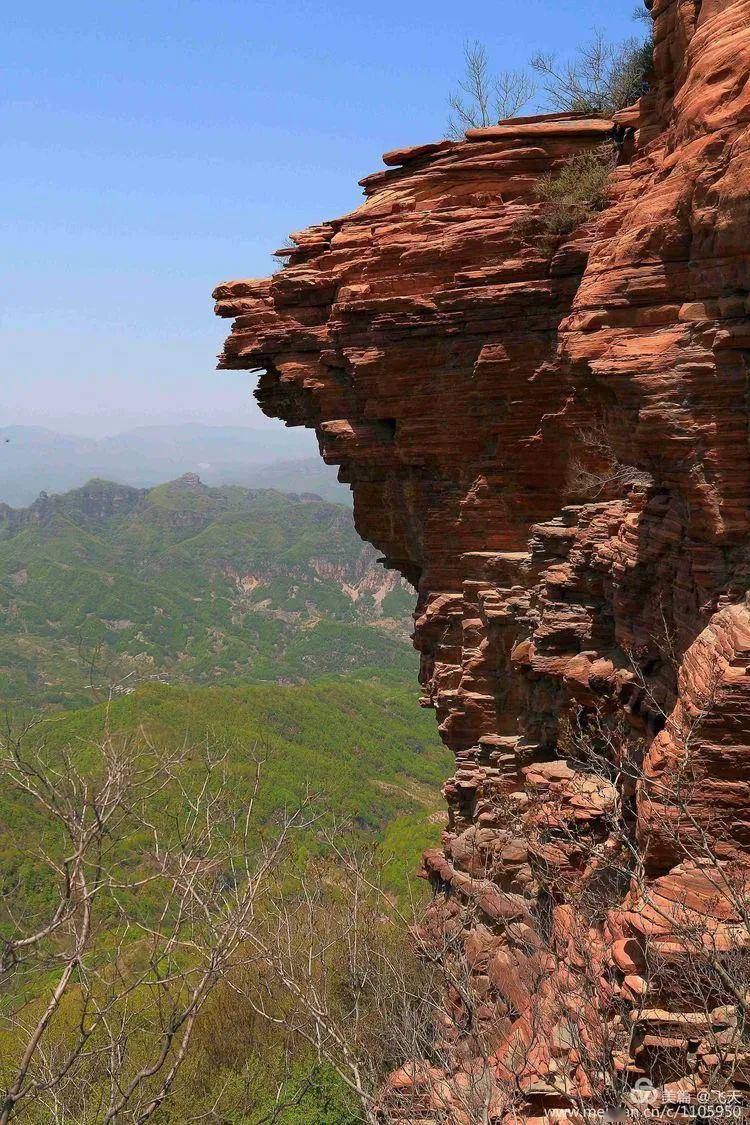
<point x="551" y="442"/>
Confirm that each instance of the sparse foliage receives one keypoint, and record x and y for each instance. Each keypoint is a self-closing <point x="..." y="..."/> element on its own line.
<point x="600" y="79"/>
<point x="483" y="99"/>
<point x="595" y="470"/>
<point x="342" y="973"/>
<point x="643" y="14"/>
<point x="575" y="192"/>
<point x="105" y="970"/>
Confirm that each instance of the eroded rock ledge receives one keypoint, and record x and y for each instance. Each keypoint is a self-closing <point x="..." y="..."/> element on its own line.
<point x="551" y="442"/>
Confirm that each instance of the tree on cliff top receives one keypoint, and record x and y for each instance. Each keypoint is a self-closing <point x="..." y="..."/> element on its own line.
<point x="600" y="79"/>
<point x="482" y="99"/>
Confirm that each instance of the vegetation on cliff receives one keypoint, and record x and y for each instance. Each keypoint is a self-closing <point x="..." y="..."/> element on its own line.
<point x="599" y="79"/>
<point x="565" y="466"/>
<point x="574" y="194"/>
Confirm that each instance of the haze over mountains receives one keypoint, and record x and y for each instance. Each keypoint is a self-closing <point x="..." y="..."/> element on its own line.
<point x="34" y="459"/>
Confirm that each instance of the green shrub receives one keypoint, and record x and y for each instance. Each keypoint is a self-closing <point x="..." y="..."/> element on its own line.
<point x="576" y="192"/>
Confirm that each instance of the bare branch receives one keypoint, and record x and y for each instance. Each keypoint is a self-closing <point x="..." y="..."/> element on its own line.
<point x="482" y="99"/>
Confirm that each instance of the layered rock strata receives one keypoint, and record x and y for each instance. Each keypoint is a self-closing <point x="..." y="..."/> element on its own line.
<point x="549" y="438"/>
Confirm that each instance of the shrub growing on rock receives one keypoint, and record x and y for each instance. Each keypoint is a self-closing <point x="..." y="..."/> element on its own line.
<point x="576" y="192"/>
<point x="596" y="471"/>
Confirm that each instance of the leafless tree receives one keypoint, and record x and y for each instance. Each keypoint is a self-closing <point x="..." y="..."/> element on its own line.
<point x="103" y="993"/>
<point x="601" y="78"/>
<point x="596" y="471"/>
<point x="336" y="973"/>
<point x="150" y="871"/>
<point x="374" y="989"/>
<point x="484" y="99"/>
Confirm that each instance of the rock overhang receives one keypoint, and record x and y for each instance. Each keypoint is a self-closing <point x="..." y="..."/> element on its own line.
<point x="467" y="375"/>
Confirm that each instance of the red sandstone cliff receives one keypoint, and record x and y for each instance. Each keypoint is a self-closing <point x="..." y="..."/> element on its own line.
<point x="551" y="443"/>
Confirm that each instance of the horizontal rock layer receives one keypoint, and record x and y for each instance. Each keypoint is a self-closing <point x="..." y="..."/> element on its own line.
<point x="549" y="438"/>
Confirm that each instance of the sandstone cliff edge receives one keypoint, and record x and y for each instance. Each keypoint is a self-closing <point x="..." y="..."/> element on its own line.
<point x="550" y="441"/>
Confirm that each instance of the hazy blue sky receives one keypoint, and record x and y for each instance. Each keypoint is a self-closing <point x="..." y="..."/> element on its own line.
<point x="152" y="149"/>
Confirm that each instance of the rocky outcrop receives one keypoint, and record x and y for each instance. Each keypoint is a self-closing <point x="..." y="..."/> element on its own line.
<point x="550" y="440"/>
<point x="96" y="501"/>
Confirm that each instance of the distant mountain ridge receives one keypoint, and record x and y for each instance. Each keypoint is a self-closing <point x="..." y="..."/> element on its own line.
<point x="193" y="584"/>
<point x="100" y="500"/>
<point x="34" y="459"/>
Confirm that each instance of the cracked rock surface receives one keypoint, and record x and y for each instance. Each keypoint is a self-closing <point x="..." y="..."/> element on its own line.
<point x="549" y="439"/>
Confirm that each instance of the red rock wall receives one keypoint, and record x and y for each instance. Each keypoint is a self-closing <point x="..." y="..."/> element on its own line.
<point x="551" y="442"/>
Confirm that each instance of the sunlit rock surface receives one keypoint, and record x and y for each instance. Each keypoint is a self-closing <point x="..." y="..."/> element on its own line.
<point x="550" y="440"/>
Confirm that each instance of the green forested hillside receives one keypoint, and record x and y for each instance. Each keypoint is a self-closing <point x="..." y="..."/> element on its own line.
<point x="375" y="765"/>
<point x="366" y="750"/>
<point x="214" y="625"/>
<point x="190" y="584"/>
